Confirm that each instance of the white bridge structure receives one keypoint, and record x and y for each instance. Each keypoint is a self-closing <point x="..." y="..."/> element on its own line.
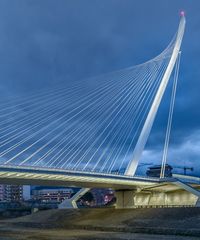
<point x="92" y="132"/>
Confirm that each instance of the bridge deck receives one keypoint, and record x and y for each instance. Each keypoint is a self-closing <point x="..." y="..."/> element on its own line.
<point x="56" y="177"/>
<point x="42" y="176"/>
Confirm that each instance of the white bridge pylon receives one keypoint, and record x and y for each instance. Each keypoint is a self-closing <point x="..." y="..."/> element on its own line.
<point x="131" y="169"/>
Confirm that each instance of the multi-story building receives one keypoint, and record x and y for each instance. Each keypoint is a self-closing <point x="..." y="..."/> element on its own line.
<point x="154" y="171"/>
<point x="52" y="195"/>
<point x="11" y="193"/>
<point x="2" y="192"/>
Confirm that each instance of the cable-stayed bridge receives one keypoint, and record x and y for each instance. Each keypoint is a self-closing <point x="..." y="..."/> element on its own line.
<point x="90" y="132"/>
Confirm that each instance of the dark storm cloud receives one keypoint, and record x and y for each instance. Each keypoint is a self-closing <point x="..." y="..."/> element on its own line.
<point x="46" y="42"/>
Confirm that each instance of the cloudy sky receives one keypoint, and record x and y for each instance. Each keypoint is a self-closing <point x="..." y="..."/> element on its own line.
<point x="46" y="42"/>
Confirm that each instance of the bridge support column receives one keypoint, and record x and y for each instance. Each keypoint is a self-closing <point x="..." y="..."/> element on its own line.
<point x="197" y="202"/>
<point x="71" y="203"/>
<point x="125" y="198"/>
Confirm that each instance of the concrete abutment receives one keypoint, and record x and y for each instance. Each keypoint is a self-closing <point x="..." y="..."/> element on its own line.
<point x="134" y="199"/>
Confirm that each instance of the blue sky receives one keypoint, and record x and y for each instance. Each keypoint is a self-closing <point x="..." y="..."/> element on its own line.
<point x="46" y="42"/>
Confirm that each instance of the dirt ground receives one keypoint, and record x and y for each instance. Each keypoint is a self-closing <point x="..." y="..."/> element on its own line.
<point x="40" y="234"/>
<point x="105" y="224"/>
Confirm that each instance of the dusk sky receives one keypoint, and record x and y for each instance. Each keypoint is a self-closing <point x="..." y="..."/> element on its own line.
<point x="43" y="43"/>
